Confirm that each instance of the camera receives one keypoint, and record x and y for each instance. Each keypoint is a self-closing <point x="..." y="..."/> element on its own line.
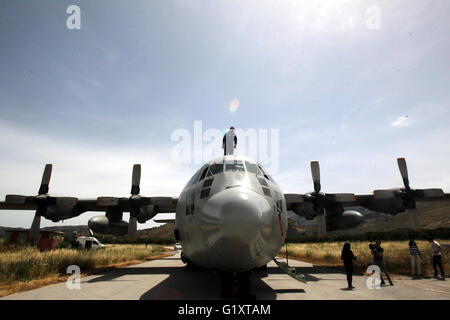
<point x="372" y="246"/>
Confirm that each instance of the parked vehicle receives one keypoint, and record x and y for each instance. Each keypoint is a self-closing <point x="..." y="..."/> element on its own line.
<point x="89" y="243"/>
<point x="177" y="246"/>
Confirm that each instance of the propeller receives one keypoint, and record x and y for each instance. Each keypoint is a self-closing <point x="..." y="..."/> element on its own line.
<point x="318" y="200"/>
<point x="42" y="200"/>
<point x="321" y="200"/>
<point x="135" y="202"/>
<point x="141" y="208"/>
<point x="46" y="205"/>
<point x="407" y="194"/>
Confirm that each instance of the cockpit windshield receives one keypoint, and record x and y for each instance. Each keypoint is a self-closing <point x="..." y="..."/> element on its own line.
<point x="234" y="166"/>
<point x="251" y="167"/>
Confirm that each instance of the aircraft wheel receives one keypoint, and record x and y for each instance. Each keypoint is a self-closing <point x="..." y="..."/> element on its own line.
<point x="244" y="286"/>
<point x="226" y="285"/>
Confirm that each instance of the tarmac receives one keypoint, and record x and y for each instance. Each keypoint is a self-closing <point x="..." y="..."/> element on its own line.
<point x="169" y="279"/>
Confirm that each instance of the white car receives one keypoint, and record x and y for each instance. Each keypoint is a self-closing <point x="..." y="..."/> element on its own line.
<point x="177" y="246"/>
<point x="89" y="243"/>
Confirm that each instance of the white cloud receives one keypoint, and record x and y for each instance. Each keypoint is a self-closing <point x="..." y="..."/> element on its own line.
<point x="400" y="122"/>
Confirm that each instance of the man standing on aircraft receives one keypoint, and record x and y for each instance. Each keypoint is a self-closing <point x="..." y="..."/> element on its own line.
<point x="229" y="142"/>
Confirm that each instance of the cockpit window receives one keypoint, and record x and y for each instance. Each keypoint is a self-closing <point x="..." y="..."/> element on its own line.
<point x="195" y="177"/>
<point x="251" y="167"/>
<point x="234" y="166"/>
<point x="263" y="173"/>
<point x="203" y="173"/>
<point x="216" y="168"/>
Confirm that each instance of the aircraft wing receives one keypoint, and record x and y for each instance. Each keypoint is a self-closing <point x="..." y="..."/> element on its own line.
<point x="56" y="208"/>
<point x="17" y="202"/>
<point x="391" y="201"/>
<point x="387" y="201"/>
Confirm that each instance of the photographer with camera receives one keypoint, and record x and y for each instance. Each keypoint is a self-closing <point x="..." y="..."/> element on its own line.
<point x="378" y="259"/>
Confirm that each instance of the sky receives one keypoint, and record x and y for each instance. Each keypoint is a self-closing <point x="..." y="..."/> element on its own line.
<point x="353" y="85"/>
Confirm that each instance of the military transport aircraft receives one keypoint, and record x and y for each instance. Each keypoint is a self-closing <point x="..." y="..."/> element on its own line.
<point x="231" y="216"/>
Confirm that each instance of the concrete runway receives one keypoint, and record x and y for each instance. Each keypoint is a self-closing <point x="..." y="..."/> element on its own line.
<point x="168" y="279"/>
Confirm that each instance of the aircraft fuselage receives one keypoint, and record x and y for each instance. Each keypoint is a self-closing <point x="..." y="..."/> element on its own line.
<point x="231" y="216"/>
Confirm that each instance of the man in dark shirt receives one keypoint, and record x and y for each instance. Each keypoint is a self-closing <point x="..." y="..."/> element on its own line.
<point x="229" y="142"/>
<point x="378" y="260"/>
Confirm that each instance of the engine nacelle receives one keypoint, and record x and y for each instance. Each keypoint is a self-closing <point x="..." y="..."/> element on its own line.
<point x="146" y="213"/>
<point x="305" y="210"/>
<point x="102" y="224"/>
<point x="348" y="219"/>
<point x="57" y="213"/>
<point x="390" y="206"/>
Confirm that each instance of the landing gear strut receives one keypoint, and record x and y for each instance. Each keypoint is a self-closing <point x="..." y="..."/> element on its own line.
<point x="235" y="285"/>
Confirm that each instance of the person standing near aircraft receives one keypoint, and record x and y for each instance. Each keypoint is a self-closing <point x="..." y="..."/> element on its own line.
<point x="378" y="259"/>
<point x="348" y="257"/>
<point x="415" y="258"/>
<point x="229" y="142"/>
<point x="437" y="258"/>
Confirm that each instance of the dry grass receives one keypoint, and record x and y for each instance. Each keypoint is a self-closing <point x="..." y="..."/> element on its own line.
<point x="27" y="268"/>
<point x="396" y="255"/>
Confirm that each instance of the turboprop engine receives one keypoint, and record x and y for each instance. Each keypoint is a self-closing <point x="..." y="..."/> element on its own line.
<point x="102" y="224"/>
<point x="348" y="219"/>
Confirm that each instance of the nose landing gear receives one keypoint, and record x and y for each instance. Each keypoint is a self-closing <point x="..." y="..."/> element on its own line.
<point x="234" y="286"/>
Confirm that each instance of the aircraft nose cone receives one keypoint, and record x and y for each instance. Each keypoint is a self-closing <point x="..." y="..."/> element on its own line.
<point x="237" y="223"/>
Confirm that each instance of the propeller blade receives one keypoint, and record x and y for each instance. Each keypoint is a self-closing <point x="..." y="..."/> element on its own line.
<point x="91" y="233"/>
<point x="315" y="172"/>
<point x="107" y="201"/>
<point x="15" y="199"/>
<point x="403" y="171"/>
<point x="132" y="228"/>
<point x="34" y="231"/>
<point x="136" y="179"/>
<point x="45" y="179"/>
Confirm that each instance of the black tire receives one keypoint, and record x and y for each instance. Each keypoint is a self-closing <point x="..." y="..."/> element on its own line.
<point x="226" y="285"/>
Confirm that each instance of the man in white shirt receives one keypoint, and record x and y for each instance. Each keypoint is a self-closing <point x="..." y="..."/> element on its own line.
<point x="437" y="257"/>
